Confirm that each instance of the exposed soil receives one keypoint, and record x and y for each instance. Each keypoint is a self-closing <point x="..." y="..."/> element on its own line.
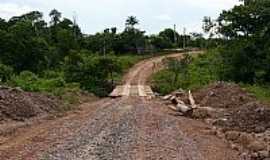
<point x="250" y="117"/>
<point x="240" y="109"/>
<point x="223" y="95"/>
<point x="19" y="109"/>
<point x="18" y="105"/>
<point x="237" y="116"/>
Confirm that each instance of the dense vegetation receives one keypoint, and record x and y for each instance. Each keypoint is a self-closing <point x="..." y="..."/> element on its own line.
<point x="45" y="57"/>
<point x="243" y="56"/>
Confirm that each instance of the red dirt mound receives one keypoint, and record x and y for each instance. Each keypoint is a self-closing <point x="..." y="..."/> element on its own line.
<point x="16" y="104"/>
<point x="240" y="110"/>
<point x="250" y="117"/>
<point x="222" y="95"/>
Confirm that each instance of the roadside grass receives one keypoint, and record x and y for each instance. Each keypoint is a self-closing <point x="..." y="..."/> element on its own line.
<point x="261" y="92"/>
<point x="201" y="71"/>
<point x="68" y="93"/>
<point x="162" y="82"/>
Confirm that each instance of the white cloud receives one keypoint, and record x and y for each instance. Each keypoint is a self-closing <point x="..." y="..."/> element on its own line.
<point x="164" y="17"/>
<point x="95" y="15"/>
<point x="211" y="4"/>
<point x="8" y="10"/>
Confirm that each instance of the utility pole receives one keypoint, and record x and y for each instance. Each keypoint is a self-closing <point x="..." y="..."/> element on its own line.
<point x="184" y="38"/>
<point x="104" y="46"/>
<point x="75" y="24"/>
<point x="175" y="38"/>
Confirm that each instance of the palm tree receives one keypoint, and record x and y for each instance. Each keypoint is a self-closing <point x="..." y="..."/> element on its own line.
<point x="55" y="16"/>
<point x="131" y="21"/>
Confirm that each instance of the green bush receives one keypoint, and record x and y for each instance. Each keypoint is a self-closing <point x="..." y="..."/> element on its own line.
<point x="26" y="80"/>
<point x="5" y="73"/>
<point x="97" y="74"/>
<point x="29" y="81"/>
<point x="163" y="82"/>
<point x="261" y="92"/>
<point x="48" y="74"/>
<point x="127" y="61"/>
<point x="188" y="73"/>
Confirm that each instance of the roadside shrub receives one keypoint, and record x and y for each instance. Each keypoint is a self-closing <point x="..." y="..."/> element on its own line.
<point x="28" y="76"/>
<point x="127" y="61"/>
<point x="94" y="73"/>
<point x="163" y="82"/>
<point x="261" y="92"/>
<point x="5" y="73"/>
<point x="188" y="73"/>
<point x="49" y="85"/>
<point x="25" y="80"/>
<point x="48" y="74"/>
<point x="29" y="81"/>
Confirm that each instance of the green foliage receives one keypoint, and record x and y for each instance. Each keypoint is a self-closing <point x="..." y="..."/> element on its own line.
<point x="28" y="81"/>
<point x="6" y="73"/>
<point x="261" y="92"/>
<point x="178" y="67"/>
<point x="94" y="73"/>
<point x="50" y="74"/>
<point x="188" y="73"/>
<point x="206" y="68"/>
<point x="131" y="21"/>
<point x="127" y="61"/>
<point x="245" y="53"/>
<point x="163" y="82"/>
<point x="47" y="56"/>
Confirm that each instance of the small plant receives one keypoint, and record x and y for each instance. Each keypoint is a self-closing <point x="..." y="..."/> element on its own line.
<point x="5" y="73"/>
<point x="261" y="92"/>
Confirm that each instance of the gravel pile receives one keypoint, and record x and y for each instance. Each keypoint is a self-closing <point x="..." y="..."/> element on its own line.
<point x="18" y="105"/>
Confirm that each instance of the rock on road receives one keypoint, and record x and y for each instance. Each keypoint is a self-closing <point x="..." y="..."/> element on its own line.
<point x="130" y="127"/>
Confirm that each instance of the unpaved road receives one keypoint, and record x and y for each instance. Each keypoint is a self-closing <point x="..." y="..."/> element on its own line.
<point x="125" y="128"/>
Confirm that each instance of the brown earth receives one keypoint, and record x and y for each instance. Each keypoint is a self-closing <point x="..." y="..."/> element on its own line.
<point x="20" y="109"/>
<point x="236" y="116"/>
<point x="18" y="105"/>
<point x="122" y="128"/>
<point x="222" y="95"/>
<point x="241" y="110"/>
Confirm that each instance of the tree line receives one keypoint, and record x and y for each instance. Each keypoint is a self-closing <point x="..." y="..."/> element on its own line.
<point x="245" y="34"/>
<point x="28" y="42"/>
<point x="31" y="46"/>
<point x="239" y="52"/>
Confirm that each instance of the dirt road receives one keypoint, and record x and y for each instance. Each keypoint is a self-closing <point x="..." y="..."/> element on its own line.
<point x="124" y="128"/>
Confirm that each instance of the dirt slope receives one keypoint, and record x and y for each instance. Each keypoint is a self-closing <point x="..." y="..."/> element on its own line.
<point x="123" y="128"/>
<point x="18" y="105"/>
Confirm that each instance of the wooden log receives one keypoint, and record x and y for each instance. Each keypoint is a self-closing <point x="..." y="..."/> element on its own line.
<point x="167" y="97"/>
<point x="191" y="100"/>
<point x="183" y="108"/>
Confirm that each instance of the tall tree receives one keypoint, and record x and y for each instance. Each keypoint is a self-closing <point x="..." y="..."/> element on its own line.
<point x="246" y="29"/>
<point x="132" y="21"/>
<point x="55" y="17"/>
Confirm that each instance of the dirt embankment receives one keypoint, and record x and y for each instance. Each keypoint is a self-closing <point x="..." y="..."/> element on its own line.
<point x="19" y="109"/>
<point x="235" y="116"/>
<point x="239" y="110"/>
<point x="18" y="105"/>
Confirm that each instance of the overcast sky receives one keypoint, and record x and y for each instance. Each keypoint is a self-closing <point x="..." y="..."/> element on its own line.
<point x="95" y="15"/>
